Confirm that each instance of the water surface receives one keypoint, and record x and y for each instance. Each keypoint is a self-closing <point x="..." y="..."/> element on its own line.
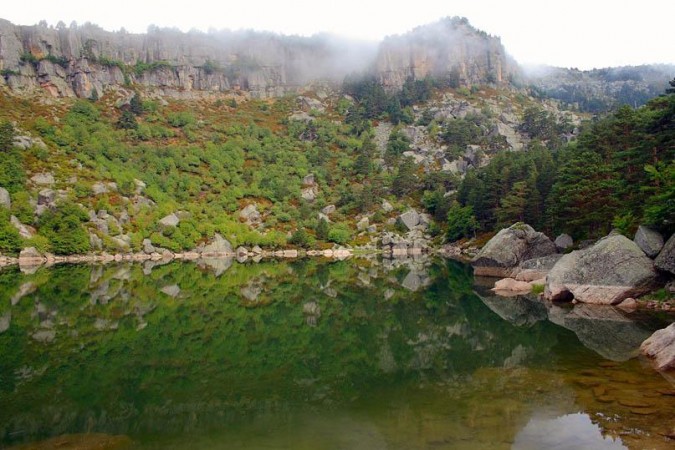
<point x="316" y="355"/>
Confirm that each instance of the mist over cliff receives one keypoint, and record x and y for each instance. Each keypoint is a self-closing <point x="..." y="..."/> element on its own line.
<point x="78" y="60"/>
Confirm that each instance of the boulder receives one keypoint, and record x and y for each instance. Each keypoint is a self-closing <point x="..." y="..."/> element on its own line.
<point x="660" y="347"/>
<point x="308" y="180"/>
<point x="328" y="210"/>
<point x="363" y="224"/>
<point x="218" y="245"/>
<point x="171" y="220"/>
<point x="4" y="198"/>
<point x="410" y="219"/>
<point x="95" y="242"/>
<point x="148" y="248"/>
<point x="511" y="285"/>
<point x="386" y="206"/>
<point x="666" y="259"/>
<point x="309" y="193"/>
<point x="607" y="273"/>
<point x="171" y="290"/>
<point x="536" y="268"/>
<point x="46" y="197"/>
<point x="43" y="179"/>
<point x="250" y="214"/>
<point x="25" y="231"/>
<point x="650" y="241"/>
<point x="563" y="242"/>
<point x="30" y="253"/>
<point x="501" y="256"/>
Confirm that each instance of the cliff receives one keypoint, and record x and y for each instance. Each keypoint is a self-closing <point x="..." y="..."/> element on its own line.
<point x="450" y="49"/>
<point x="78" y="61"/>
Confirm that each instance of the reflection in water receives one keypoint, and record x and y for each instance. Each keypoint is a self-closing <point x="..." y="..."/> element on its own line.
<point x="355" y="354"/>
<point x="568" y="432"/>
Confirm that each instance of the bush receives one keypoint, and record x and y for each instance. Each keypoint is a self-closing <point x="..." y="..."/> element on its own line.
<point x="10" y="240"/>
<point x="63" y="227"/>
<point x="339" y="234"/>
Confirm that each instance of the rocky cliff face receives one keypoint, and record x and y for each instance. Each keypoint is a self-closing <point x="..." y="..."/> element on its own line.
<point x="450" y="49"/>
<point x="78" y="61"/>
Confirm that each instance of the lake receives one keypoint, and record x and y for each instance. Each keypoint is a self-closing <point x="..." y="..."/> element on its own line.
<point x="313" y="354"/>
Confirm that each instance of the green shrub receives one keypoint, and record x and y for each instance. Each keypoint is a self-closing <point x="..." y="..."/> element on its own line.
<point x="10" y="240"/>
<point x="339" y="234"/>
<point x="63" y="227"/>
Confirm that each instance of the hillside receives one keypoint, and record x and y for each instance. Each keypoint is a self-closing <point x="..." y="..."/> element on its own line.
<point x="185" y="140"/>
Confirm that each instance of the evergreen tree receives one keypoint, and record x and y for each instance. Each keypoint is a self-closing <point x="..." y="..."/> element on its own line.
<point x="405" y="180"/>
<point x="6" y="136"/>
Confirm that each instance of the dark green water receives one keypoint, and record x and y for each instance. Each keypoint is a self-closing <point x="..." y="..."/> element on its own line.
<point x="315" y="355"/>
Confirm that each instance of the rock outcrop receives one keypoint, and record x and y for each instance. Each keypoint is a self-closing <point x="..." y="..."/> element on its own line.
<point x="660" y="347"/>
<point x="450" y="48"/>
<point x="87" y="60"/>
<point x="503" y="253"/>
<point x="608" y="272"/>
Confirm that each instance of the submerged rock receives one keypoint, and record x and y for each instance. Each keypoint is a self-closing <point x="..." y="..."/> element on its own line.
<point x="650" y="241"/>
<point x="503" y="253"/>
<point x="660" y="347"/>
<point x="612" y="270"/>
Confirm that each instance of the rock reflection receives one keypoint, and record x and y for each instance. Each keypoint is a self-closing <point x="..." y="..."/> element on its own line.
<point x="568" y="432"/>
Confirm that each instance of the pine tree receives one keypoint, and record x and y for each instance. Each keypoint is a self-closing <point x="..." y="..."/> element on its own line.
<point x="405" y="179"/>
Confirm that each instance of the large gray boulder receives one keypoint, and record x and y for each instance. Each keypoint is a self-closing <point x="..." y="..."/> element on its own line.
<point x="503" y="253"/>
<point x="607" y="273"/>
<point x="250" y="214"/>
<point x="171" y="220"/>
<point x="563" y="242"/>
<point x="650" y="241"/>
<point x="410" y="219"/>
<point x="219" y="245"/>
<point x="666" y="259"/>
<point x="537" y="268"/>
<point x="660" y="347"/>
<point x="4" y="198"/>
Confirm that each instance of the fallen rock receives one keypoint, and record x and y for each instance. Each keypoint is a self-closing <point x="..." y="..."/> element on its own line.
<point x="666" y="259"/>
<point x="650" y="241"/>
<point x="660" y="347"/>
<point x="610" y="271"/>
<point x="309" y="193"/>
<point x="503" y="253"/>
<point x="328" y="210"/>
<point x="563" y="242"/>
<point x="308" y="180"/>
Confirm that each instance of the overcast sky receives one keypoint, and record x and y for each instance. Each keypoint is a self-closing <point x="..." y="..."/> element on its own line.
<point x="569" y="33"/>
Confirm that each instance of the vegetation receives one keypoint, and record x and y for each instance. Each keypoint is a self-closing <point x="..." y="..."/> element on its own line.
<point x="620" y="171"/>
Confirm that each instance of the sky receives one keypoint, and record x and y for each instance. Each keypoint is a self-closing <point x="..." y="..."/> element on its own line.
<point x="584" y="34"/>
